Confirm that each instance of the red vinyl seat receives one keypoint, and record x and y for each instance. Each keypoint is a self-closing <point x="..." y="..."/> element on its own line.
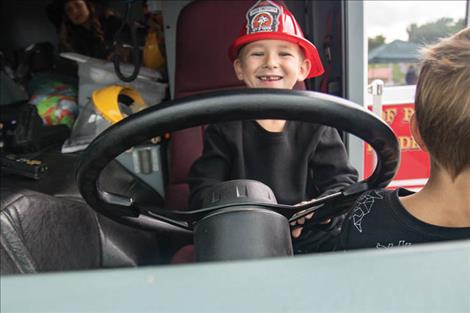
<point x="205" y="30"/>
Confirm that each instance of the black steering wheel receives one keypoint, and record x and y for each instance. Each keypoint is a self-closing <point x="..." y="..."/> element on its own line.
<point x="225" y="106"/>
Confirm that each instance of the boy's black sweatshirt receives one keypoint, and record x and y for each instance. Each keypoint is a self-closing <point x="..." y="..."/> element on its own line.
<point x="302" y="162"/>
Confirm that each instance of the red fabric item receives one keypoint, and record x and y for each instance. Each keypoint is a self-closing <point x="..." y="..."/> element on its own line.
<point x="184" y="255"/>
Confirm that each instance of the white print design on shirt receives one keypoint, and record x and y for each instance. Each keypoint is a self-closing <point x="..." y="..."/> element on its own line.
<point x="401" y="243"/>
<point x="363" y="205"/>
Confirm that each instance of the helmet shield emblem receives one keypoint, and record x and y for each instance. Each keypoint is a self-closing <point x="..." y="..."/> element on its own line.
<point x="263" y="17"/>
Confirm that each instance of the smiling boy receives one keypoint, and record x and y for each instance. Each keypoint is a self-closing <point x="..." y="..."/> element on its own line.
<point x="299" y="161"/>
<point x="271" y="64"/>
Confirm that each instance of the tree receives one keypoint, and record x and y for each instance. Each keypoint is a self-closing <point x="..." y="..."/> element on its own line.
<point x="375" y="42"/>
<point x="430" y="32"/>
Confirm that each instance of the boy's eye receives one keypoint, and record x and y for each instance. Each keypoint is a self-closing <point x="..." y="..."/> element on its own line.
<point x="257" y="54"/>
<point x="285" y="54"/>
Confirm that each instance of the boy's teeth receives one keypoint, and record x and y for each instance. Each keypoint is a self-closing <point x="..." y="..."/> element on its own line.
<point x="269" y="78"/>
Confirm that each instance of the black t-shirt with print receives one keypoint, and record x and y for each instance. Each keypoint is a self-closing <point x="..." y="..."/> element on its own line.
<point x="378" y="219"/>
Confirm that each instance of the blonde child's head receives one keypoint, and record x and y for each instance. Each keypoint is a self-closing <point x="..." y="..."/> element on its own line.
<point x="443" y="103"/>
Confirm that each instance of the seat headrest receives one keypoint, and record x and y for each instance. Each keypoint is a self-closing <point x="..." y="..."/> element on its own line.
<point x="209" y="68"/>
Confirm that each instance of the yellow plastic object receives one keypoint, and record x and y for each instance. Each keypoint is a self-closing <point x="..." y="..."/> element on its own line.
<point x="106" y="101"/>
<point x="153" y="57"/>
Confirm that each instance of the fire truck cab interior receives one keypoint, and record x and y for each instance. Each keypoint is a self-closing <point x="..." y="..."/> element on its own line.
<point x="57" y="209"/>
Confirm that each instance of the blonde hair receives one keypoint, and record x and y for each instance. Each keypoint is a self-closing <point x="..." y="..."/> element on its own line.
<point x="443" y="102"/>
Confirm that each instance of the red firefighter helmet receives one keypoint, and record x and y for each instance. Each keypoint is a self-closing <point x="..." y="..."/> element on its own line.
<point x="269" y="20"/>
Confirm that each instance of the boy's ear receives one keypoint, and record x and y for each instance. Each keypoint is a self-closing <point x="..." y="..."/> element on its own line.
<point x="304" y="69"/>
<point x="237" y="67"/>
<point x="416" y="133"/>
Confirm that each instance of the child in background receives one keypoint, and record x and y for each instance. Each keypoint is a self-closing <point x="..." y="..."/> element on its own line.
<point x="85" y="26"/>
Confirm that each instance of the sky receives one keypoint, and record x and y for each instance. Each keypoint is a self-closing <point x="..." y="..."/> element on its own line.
<point x="390" y="18"/>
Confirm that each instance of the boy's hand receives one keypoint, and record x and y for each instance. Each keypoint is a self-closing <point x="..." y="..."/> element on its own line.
<point x="297" y="230"/>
